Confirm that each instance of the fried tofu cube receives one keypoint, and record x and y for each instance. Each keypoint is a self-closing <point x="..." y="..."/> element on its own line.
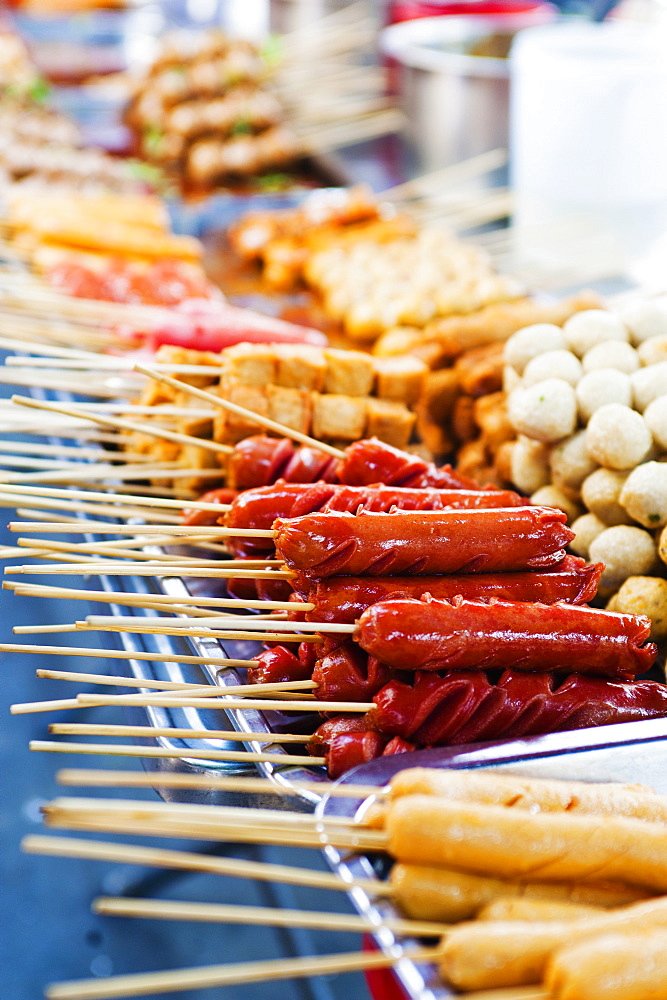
<point x="169" y="354"/>
<point x="229" y="427"/>
<point x="292" y="407"/>
<point x="201" y="459"/>
<point x="154" y="393"/>
<point x="195" y="425"/>
<point x="300" y="366"/>
<point x="439" y="396"/>
<point x="349" y="372"/>
<point x="399" y="340"/>
<point x="389" y="421"/>
<point x="250" y="364"/>
<point x="399" y="378"/>
<point x="339" y="416"/>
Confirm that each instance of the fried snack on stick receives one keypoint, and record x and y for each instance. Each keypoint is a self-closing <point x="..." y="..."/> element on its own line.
<point x="426" y="893"/>
<point x="516" y="953"/>
<point x="519" y="908"/>
<point x="447" y="338"/>
<point x="115" y="237"/>
<point x="536" y="794"/>
<point x="616" y="966"/>
<point x="517" y="844"/>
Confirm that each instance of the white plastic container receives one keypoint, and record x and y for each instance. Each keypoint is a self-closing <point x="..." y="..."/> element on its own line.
<point x="588" y="128"/>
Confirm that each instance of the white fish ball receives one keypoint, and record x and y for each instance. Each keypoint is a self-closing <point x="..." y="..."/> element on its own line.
<point x="553" y="364"/>
<point x="593" y="326"/>
<point x="655" y="416"/>
<point x="527" y="343"/>
<point x="644" y="494"/>
<point x="611" y="354"/>
<point x="551" y="496"/>
<point x="653" y="351"/>
<point x="600" y="387"/>
<point x="546" y="411"/>
<point x="529" y="464"/>
<point x="645" y="318"/>
<point x="625" y="551"/>
<point x="617" y="437"/>
<point x="511" y="379"/>
<point x="648" y="384"/>
<point x="570" y="462"/>
<point x="601" y="493"/>
<point x="586" y="528"/>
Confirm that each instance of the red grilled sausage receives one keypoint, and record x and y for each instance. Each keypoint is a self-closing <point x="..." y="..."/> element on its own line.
<point x="465" y="706"/>
<point x="258" y="508"/>
<point x="423" y="542"/>
<point x="345" y="598"/>
<point x="461" y="634"/>
<point x="260" y="460"/>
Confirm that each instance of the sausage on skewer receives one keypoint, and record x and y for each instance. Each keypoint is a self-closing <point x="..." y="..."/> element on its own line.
<point x="462" y="634"/>
<point x="345" y="598"/>
<point x="423" y="542"/>
<point x="467" y="707"/>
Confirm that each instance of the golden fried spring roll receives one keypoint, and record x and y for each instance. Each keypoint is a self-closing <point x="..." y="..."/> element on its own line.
<point x="516" y="953"/>
<point x="520" y="908"/>
<point x="425" y="893"/>
<point x="615" y="966"/>
<point x="515" y="843"/>
<point x="543" y="794"/>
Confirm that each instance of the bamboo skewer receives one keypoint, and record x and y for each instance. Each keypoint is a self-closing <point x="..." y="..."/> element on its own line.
<point x="226" y="702"/>
<point x="82" y="527"/>
<point x="241" y="411"/>
<point x="115" y="551"/>
<point x="235" y="633"/>
<point x="28" y="378"/>
<point x="121" y="498"/>
<point x="150" y="732"/>
<point x="204" y="822"/>
<point x="226" y="816"/>
<point x="96" y="850"/>
<point x="128" y="425"/>
<point x="162" y="601"/>
<point x="146" y="983"/>
<point x="91" y="778"/>
<point x="103" y="510"/>
<point x="104" y="621"/>
<point x="112" y="654"/>
<point x="187" y="753"/>
<point x="94" y="678"/>
<point x="447" y="177"/>
<point x="81" y="472"/>
<point x="65" y="451"/>
<point x="260" y="916"/>
<point x="204" y="692"/>
<point x="110" y="568"/>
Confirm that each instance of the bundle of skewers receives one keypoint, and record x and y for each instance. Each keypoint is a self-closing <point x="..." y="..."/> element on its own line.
<point x="213" y="109"/>
<point x="455" y="609"/>
<point x="519" y="888"/>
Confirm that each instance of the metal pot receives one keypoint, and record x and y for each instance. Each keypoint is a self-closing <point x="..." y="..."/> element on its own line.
<point x="456" y="104"/>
